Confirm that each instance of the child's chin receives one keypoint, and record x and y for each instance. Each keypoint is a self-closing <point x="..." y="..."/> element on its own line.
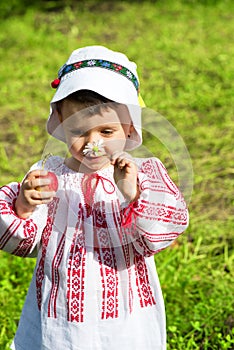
<point x="96" y="163"/>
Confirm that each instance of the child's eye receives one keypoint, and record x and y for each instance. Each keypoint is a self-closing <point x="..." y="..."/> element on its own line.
<point x="76" y="132"/>
<point x="107" y="131"/>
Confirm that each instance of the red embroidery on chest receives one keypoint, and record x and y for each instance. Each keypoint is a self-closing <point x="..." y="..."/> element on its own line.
<point x="76" y="273"/>
<point x="105" y="254"/>
<point x="89" y="185"/>
<point x="55" y="278"/>
<point x="142" y="281"/>
<point x="126" y="252"/>
<point x="40" y="273"/>
<point x="116" y="210"/>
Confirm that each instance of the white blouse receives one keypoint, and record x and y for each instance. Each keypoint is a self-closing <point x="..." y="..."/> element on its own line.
<point x="95" y="285"/>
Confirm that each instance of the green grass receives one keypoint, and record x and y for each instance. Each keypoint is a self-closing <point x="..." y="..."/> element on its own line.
<point x="185" y="56"/>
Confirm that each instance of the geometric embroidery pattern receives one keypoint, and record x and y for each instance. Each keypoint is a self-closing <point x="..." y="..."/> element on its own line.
<point x="40" y="273"/>
<point x="161" y="212"/>
<point x="29" y="228"/>
<point x="142" y="281"/>
<point x="159" y="179"/>
<point x="116" y="210"/>
<point x="109" y="279"/>
<point x="98" y="63"/>
<point x="6" y="209"/>
<point x="24" y="247"/>
<point x="105" y="254"/>
<point x="55" y="278"/>
<point x="76" y="274"/>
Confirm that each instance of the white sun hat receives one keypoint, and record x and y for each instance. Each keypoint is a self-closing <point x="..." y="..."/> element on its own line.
<point x="105" y="72"/>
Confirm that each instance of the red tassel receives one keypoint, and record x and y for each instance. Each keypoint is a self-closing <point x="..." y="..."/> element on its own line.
<point x="55" y="83"/>
<point x="128" y="216"/>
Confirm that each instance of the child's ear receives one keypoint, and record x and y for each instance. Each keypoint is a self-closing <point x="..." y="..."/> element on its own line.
<point x="59" y="116"/>
<point x="129" y="137"/>
<point x="131" y="129"/>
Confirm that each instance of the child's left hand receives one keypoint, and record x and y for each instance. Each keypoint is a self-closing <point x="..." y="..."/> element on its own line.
<point x="125" y="175"/>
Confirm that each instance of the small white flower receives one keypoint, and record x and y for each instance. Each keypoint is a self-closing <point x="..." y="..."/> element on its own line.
<point x="91" y="63"/>
<point x="94" y="149"/>
<point x="129" y="74"/>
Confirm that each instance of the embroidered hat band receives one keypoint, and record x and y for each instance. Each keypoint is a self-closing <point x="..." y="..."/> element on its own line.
<point x="68" y="68"/>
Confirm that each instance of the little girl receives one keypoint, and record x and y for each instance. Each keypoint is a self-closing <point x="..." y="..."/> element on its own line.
<point x="95" y="285"/>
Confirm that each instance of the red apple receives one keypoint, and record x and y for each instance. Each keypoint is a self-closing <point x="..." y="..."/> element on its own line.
<point x="53" y="186"/>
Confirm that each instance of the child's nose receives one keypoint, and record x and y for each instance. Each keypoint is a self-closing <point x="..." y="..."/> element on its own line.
<point x="92" y="137"/>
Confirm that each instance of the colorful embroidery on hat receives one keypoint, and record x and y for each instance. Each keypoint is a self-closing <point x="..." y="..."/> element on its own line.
<point x="65" y="69"/>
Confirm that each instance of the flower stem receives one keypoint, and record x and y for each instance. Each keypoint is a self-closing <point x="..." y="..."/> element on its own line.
<point x="45" y="158"/>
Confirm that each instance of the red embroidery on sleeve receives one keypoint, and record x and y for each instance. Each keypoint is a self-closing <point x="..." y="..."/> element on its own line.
<point x="10" y="231"/>
<point x="128" y="219"/>
<point x="128" y="216"/>
<point x="10" y="193"/>
<point x="24" y="247"/>
<point x="162" y="212"/>
<point x="5" y="208"/>
<point x="142" y="281"/>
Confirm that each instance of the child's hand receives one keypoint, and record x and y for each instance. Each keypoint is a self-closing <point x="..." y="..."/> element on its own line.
<point x="29" y="196"/>
<point x="125" y="175"/>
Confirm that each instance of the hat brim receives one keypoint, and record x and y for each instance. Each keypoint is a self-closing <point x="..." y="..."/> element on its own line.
<point x="98" y="80"/>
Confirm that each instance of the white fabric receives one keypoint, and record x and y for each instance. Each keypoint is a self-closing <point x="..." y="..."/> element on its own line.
<point x="106" y="83"/>
<point x="95" y="285"/>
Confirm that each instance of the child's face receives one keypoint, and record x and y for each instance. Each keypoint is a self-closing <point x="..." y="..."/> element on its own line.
<point x="81" y="128"/>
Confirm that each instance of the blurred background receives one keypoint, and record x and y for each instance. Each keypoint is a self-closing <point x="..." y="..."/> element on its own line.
<point x="184" y="51"/>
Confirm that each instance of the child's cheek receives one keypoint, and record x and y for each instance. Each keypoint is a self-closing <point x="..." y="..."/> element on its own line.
<point x="74" y="142"/>
<point x="115" y="146"/>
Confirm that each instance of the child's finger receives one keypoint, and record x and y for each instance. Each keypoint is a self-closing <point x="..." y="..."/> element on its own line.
<point x="37" y="197"/>
<point x="117" y="154"/>
<point x="33" y="198"/>
<point x="41" y="195"/>
<point x="121" y="163"/>
<point x="36" y="179"/>
<point x="36" y="173"/>
<point x="117" y="157"/>
<point x="31" y="184"/>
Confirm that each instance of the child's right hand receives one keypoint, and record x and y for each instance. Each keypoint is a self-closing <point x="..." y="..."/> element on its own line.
<point x="29" y="196"/>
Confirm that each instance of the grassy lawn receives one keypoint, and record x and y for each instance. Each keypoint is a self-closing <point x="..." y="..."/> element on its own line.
<point x="184" y="53"/>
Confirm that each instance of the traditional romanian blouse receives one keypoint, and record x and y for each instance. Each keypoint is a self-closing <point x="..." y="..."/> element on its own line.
<point x="95" y="285"/>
